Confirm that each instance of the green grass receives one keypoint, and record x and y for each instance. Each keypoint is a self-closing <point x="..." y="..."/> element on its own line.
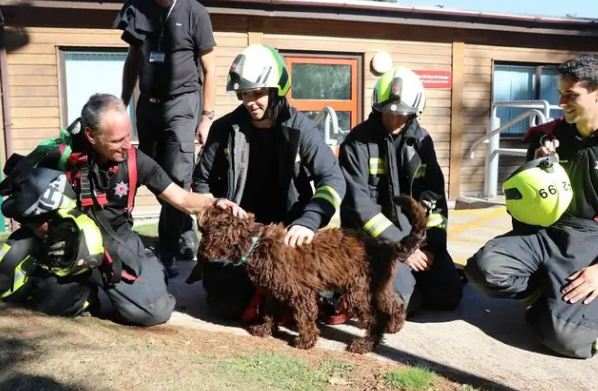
<point x="147" y="229"/>
<point x="272" y="371"/>
<point x="412" y="379"/>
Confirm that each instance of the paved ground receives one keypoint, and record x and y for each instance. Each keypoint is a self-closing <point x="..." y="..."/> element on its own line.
<point x="484" y="342"/>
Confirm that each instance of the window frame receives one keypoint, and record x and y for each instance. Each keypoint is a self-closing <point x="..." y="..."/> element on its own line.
<point x="539" y="66"/>
<point x="62" y="50"/>
<point x="353" y="105"/>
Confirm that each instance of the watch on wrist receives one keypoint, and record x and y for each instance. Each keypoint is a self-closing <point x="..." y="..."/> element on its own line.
<point x="211" y="114"/>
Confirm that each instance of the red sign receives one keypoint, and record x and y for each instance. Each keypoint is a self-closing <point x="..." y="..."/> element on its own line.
<point x="435" y="78"/>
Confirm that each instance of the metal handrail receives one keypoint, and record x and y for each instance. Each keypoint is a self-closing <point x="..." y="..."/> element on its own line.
<point x="538" y="110"/>
<point x="525" y="115"/>
<point x="330" y="119"/>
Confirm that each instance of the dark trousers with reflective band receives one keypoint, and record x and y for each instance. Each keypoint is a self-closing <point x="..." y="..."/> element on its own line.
<point x="538" y="262"/>
<point x="144" y="302"/>
<point x="438" y="288"/>
<point x="167" y="133"/>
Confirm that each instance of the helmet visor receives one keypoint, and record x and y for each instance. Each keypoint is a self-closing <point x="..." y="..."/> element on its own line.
<point x="395" y="107"/>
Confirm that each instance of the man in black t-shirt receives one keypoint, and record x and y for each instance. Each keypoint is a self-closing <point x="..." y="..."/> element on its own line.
<point x="100" y="172"/>
<point x="390" y="154"/>
<point x="171" y="54"/>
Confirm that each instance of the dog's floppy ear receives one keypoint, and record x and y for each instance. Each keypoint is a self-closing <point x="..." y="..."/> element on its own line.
<point x="203" y="217"/>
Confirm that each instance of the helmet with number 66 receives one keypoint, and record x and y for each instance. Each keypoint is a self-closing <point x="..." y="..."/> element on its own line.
<point x="538" y="192"/>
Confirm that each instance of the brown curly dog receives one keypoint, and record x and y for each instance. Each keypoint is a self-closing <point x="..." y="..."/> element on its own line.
<point x="358" y="266"/>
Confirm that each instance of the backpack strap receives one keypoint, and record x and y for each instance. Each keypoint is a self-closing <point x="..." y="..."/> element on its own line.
<point x="132" y="168"/>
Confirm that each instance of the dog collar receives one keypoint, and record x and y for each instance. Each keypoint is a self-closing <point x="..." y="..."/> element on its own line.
<point x="255" y="240"/>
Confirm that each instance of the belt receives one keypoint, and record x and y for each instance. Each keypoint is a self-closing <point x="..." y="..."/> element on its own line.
<point x="154" y="100"/>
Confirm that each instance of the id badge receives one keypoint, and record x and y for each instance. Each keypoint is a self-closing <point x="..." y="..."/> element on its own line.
<point x="156" y="57"/>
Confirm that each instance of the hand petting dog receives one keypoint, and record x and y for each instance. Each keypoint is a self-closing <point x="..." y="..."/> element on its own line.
<point x="236" y="210"/>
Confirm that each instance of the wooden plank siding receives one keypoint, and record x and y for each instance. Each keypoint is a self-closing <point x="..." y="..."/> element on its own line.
<point x="412" y="54"/>
<point x="455" y="119"/>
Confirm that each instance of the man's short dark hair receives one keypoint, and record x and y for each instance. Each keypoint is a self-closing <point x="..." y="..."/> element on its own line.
<point x="583" y="68"/>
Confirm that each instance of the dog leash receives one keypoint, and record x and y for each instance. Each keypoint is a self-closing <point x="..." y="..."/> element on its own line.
<point x="255" y="240"/>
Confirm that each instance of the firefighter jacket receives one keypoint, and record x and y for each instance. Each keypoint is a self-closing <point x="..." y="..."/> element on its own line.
<point x="301" y="156"/>
<point x="378" y="168"/>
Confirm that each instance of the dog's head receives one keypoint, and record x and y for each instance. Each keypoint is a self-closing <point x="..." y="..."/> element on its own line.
<point x="223" y="236"/>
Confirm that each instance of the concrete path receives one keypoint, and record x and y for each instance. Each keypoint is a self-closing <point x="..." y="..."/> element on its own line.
<point x="484" y="343"/>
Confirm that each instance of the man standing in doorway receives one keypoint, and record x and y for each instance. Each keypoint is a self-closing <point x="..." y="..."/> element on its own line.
<point x="171" y="54"/>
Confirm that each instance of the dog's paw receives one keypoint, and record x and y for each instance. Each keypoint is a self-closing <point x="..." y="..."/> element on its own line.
<point x="394" y="326"/>
<point x="260" y="330"/>
<point x="361" y="346"/>
<point x="304" y="343"/>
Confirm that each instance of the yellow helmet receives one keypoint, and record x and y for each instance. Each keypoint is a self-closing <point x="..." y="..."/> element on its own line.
<point x="538" y="192"/>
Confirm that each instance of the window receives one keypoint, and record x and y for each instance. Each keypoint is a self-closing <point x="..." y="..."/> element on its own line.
<point x="86" y="72"/>
<point x="319" y="81"/>
<point x="524" y="82"/>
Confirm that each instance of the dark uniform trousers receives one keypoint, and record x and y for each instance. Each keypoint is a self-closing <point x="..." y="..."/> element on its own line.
<point x="143" y="302"/>
<point x="535" y="263"/>
<point x="167" y="134"/>
<point x="439" y="288"/>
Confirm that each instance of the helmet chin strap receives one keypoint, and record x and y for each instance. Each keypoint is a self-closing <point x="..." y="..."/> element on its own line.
<point x="271" y="110"/>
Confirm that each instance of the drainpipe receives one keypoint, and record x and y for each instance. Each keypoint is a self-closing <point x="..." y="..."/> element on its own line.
<point x="6" y="115"/>
<point x="7" y="118"/>
<point x="5" y="104"/>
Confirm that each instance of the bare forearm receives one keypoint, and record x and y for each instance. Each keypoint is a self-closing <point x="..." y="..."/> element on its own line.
<point x="184" y="200"/>
<point x="130" y="74"/>
<point x="208" y="62"/>
<point x="195" y="202"/>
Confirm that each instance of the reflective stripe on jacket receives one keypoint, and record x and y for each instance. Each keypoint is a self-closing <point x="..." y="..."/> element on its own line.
<point x="376" y="172"/>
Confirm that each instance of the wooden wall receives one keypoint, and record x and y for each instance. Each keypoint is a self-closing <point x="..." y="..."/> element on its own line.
<point x="415" y="55"/>
<point x="36" y="104"/>
<point x="34" y="78"/>
<point x="34" y="84"/>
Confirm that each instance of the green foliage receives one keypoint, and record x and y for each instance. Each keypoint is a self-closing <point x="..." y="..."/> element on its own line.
<point x="411" y="379"/>
<point x="147" y="229"/>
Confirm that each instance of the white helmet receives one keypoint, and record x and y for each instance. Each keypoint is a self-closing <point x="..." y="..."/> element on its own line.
<point x="258" y="66"/>
<point x="399" y="91"/>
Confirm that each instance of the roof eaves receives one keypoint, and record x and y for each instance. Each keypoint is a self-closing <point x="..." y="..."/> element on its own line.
<point x="360" y="10"/>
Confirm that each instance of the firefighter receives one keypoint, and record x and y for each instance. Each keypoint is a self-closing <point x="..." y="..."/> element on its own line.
<point x="263" y="156"/>
<point x="105" y="172"/>
<point x="549" y="258"/>
<point x="391" y="154"/>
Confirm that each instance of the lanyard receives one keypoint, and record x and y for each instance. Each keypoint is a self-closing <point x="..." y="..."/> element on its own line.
<point x="170" y="11"/>
<point x="164" y="25"/>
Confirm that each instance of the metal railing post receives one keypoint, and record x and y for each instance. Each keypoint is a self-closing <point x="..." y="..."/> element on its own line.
<point x="538" y="113"/>
<point x="491" y="163"/>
